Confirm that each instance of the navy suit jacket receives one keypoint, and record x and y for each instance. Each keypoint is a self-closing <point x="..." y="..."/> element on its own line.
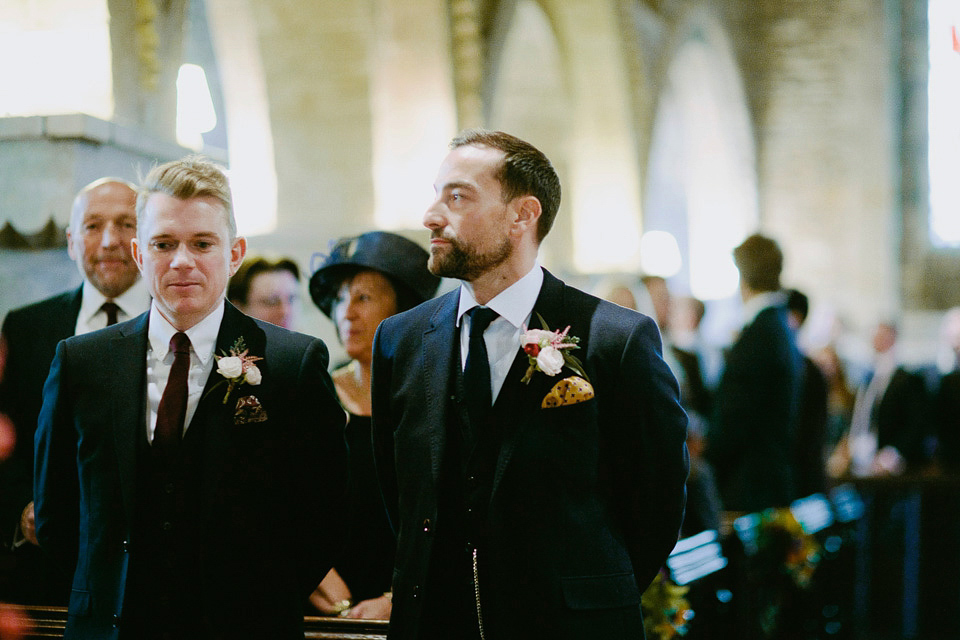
<point x="586" y="500"/>
<point x="31" y="334"/>
<point x="271" y="492"/>
<point x="751" y="444"/>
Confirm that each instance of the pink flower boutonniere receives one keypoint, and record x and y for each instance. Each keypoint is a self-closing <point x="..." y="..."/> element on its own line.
<point x="549" y="351"/>
<point x="238" y="367"/>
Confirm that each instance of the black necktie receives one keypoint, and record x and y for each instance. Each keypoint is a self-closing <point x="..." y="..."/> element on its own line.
<point x="172" y="410"/>
<point x="476" y="373"/>
<point x="111" y="310"/>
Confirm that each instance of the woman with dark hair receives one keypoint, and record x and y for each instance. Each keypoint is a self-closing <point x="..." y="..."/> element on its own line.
<point x="363" y="281"/>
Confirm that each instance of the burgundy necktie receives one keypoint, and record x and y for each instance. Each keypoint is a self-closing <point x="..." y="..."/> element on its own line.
<point x="173" y="405"/>
<point x="111" y="310"/>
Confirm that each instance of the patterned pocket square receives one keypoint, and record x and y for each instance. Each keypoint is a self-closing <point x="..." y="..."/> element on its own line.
<point x="570" y="390"/>
<point x="249" y="410"/>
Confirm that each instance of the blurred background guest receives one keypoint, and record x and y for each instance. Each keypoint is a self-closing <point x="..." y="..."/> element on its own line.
<point x="102" y="223"/>
<point x="840" y="397"/>
<point x="363" y="281"/>
<point x="948" y="398"/>
<point x="750" y="444"/>
<point x="267" y="289"/>
<point x="888" y="426"/>
<point x="811" y="427"/>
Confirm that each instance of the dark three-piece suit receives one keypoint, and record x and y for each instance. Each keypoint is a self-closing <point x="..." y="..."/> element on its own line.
<point x="556" y="519"/>
<point x="225" y="539"/>
<point x="31" y="334"/>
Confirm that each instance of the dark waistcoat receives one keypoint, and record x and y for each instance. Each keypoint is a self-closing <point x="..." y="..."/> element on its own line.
<point x="465" y="485"/>
<point x="164" y="595"/>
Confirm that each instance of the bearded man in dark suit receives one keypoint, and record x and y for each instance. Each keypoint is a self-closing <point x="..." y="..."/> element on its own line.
<point x="103" y="220"/>
<point x="536" y="489"/>
<point x="190" y="463"/>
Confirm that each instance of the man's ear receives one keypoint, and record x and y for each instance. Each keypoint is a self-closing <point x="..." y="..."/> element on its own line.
<point x="237" y="251"/>
<point x="527" y="212"/>
<point x="70" y="251"/>
<point x="135" y="252"/>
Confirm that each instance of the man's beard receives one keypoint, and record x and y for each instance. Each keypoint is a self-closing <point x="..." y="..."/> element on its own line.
<point x="463" y="262"/>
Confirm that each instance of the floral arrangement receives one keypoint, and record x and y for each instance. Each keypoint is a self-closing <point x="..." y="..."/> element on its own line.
<point x="238" y="367"/>
<point x="799" y="551"/>
<point x="549" y="351"/>
<point x="666" y="613"/>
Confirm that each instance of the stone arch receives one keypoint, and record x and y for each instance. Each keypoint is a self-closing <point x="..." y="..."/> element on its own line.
<point x="579" y="113"/>
<point x="701" y="179"/>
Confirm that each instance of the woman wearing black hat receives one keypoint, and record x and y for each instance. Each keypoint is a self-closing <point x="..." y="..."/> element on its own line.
<point x="363" y="281"/>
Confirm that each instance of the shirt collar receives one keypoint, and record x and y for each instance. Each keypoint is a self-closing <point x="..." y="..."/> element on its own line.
<point x="514" y="304"/>
<point x="203" y="335"/>
<point x="132" y="302"/>
<point x="759" y="302"/>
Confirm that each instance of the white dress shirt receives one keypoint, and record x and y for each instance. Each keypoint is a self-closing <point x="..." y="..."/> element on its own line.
<point x="502" y="337"/>
<point x="131" y="303"/>
<point x="203" y="340"/>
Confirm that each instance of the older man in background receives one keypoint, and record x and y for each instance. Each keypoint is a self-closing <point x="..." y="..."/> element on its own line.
<point x="102" y="223"/>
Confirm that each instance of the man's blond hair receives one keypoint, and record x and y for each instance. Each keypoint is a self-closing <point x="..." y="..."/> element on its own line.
<point x="190" y="177"/>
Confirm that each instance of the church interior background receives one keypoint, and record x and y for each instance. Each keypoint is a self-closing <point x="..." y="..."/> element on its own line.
<point x="678" y="127"/>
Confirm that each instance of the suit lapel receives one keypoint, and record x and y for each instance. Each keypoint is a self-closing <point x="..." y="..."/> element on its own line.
<point x="438" y="360"/>
<point x="129" y="406"/>
<point x="517" y="402"/>
<point x="212" y="412"/>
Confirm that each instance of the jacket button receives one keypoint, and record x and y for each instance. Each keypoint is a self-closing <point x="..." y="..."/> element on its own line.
<point x="472" y="482"/>
<point x="416" y="591"/>
<point x="126" y="546"/>
<point x="116" y="620"/>
<point x="167" y="526"/>
<point x="427" y="525"/>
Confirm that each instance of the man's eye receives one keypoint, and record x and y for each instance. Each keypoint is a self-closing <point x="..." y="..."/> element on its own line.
<point x="162" y="246"/>
<point x="203" y="244"/>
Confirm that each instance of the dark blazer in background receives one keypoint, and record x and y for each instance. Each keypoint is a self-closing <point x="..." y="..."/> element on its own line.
<point x="586" y="500"/>
<point x="269" y="496"/>
<point x="750" y="443"/>
<point x="948" y="421"/>
<point x="902" y="414"/>
<point x="31" y="334"/>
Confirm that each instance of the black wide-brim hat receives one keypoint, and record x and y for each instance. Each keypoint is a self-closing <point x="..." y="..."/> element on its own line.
<point x="395" y="256"/>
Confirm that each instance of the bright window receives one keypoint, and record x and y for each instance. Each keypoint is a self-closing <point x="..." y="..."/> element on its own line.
<point x="943" y="124"/>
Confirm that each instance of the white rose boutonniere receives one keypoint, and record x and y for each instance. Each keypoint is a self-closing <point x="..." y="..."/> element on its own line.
<point x="549" y="351"/>
<point x="238" y="367"/>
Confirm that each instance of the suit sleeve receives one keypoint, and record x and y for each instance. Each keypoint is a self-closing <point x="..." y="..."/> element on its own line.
<point x="648" y="453"/>
<point x="320" y="467"/>
<point x="56" y="487"/>
<point x="384" y="426"/>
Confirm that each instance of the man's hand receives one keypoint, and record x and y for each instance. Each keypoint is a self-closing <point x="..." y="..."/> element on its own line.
<point x="28" y="525"/>
<point x="372" y="609"/>
<point x="332" y="596"/>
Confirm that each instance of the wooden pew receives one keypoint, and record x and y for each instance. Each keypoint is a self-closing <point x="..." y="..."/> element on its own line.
<point x="49" y="622"/>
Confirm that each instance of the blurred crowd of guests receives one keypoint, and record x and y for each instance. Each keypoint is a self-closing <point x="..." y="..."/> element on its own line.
<point x="771" y="422"/>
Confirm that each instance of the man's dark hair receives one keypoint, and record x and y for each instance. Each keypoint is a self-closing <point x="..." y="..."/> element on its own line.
<point x="238" y="290"/>
<point x="798" y="303"/>
<point x="524" y="171"/>
<point x="760" y="262"/>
